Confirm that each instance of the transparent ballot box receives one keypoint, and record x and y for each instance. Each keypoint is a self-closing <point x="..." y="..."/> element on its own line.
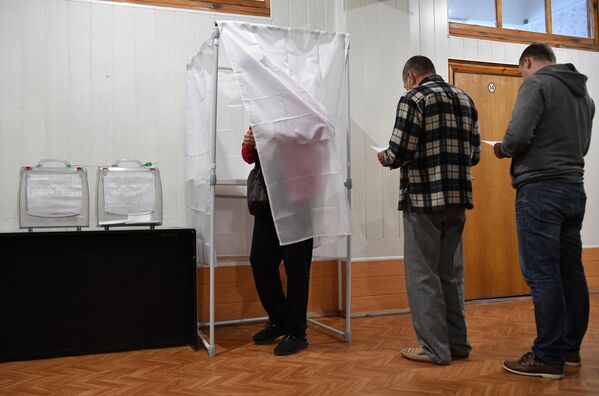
<point x="129" y="195"/>
<point x="53" y="196"/>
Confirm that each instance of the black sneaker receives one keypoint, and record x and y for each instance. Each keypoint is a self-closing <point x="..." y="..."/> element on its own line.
<point x="455" y="356"/>
<point x="573" y="360"/>
<point x="290" y="345"/>
<point x="268" y="334"/>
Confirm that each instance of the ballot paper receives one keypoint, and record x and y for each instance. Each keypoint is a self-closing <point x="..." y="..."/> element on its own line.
<point x="491" y="142"/>
<point x="379" y="149"/>
<point x="129" y="193"/>
<point x="54" y="195"/>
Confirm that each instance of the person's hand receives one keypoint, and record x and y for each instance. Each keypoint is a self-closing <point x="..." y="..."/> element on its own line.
<point x="248" y="139"/>
<point x="497" y="150"/>
<point x="381" y="158"/>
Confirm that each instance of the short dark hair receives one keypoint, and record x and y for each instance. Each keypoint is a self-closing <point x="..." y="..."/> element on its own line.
<point x="420" y="65"/>
<point x="538" y="51"/>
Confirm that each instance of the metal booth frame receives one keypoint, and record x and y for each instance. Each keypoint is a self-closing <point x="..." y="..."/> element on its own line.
<point x="209" y="341"/>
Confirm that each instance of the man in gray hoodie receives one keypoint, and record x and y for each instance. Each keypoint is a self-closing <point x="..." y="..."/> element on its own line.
<point x="547" y="139"/>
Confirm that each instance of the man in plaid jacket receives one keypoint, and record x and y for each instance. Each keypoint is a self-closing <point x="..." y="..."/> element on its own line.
<point x="435" y="142"/>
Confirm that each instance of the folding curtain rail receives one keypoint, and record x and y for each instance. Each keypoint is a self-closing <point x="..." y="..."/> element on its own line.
<point x="209" y="342"/>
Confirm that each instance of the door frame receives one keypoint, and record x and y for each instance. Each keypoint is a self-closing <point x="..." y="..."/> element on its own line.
<point x="464" y="66"/>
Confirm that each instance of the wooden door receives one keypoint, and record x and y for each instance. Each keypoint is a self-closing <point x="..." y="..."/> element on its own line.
<point x="491" y="260"/>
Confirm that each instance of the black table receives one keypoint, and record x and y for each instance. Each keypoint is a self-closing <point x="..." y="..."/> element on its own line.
<point x="81" y="292"/>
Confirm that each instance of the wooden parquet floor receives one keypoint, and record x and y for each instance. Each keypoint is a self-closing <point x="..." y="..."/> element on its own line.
<point x="370" y="365"/>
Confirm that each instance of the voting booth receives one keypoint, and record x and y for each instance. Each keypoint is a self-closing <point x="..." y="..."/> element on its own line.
<point x="292" y="87"/>
<point x="129" y="195"/>
<point x="53" y="194"/>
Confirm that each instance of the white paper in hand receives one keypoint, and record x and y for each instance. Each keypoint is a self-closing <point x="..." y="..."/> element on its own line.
<point x="379" y="149"/>
<point x="491" y="142"/>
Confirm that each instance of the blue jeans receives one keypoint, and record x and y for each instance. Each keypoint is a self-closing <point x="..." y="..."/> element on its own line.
<point x="549" y="217"/>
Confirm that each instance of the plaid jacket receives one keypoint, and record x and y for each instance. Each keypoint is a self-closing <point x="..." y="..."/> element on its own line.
<point x="435" y="142"/>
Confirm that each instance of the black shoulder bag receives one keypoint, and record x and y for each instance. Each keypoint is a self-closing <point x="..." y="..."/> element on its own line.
<point x="257" y="196"/>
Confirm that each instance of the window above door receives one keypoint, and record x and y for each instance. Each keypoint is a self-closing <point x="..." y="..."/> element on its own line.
<point x="560" y="23"/>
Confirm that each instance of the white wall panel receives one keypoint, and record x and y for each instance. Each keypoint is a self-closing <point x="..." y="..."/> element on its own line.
<point x="333" y="15"/>
<point x="316" y="14"/>
<point x="33" y="69"/>
<point x="498" y="52"/>
<point x="415" y="44"/>
<point x="355" y="25"/>
<point x="427" y="28"/>
<point x="456" y="47"/>
<point x="441" y="38"/>
<point x="166" y="87"/>
<point x="56" y="76"/>
<point x="11" y="108"/>
<point x="78" y="135"/>
<point x="470" y="49"/>
<point x="144" y="131"/>
<point x="101" y="125"/>
<point x="279" y="10"/>
<point x="392" y="57"/>
<point x="485" y="52"/>
<point x="124" y="139"/>
<point x="512" y="52"/>
<point x="372" y="120"/>
<point x="381" y="43"/>
<point x="298" y="13"/>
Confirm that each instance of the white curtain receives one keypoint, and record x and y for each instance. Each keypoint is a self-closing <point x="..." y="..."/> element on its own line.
<point x="200" y="77"/>
<point x="291" y="82"/>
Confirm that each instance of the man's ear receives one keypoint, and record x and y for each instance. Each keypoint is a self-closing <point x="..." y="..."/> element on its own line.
<point x="410" y="78"/>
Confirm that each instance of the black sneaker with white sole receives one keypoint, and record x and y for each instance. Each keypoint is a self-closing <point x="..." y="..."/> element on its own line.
<point x="290" y="345"/>
<point x="268" y="334"/>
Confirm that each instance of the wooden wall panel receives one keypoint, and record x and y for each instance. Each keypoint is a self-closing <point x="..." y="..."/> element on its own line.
<point x="590" y="258"/>
<point x="236" y="297"/>
<point x="377" y="287"/>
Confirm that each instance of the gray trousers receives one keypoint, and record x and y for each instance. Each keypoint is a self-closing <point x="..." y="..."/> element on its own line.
<point x="434" y="266"/>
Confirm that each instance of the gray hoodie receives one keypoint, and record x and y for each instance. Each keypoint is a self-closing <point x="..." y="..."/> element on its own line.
<point x="550" y="130"/>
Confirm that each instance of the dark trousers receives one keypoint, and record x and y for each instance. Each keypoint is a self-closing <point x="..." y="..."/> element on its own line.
<point x="549" y="218"/>
<point x="288" y="311"/>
